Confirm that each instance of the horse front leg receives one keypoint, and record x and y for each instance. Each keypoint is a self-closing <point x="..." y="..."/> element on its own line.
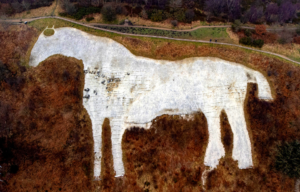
<point x="215" y="149"/>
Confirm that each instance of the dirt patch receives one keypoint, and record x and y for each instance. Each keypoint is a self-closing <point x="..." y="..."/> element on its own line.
<point x="232" y="35"/>
<point x="136" y="45"/>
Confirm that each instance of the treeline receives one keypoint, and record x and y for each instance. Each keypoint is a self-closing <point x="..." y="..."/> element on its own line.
<point x="17" y="6"/>
<point x="254" y="11"/>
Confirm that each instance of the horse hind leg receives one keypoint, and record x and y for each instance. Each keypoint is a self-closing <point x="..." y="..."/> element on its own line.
<point x="241" y="141"/>
<point x="97" y="136"/>
<point x="116" y="139"/>
<point x="215" y="149"/>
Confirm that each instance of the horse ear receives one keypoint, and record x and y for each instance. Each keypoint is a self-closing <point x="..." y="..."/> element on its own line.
<point x="53" y="28"/>
<point x="44" y="30"/>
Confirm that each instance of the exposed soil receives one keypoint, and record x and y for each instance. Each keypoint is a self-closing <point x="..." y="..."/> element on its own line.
<point x="46" y="140"/>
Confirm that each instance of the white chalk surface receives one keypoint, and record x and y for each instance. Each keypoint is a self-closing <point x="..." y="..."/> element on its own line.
<point x="132" y="91"/>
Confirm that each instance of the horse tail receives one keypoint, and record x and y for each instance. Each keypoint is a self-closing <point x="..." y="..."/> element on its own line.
<point x="264" y="90"/>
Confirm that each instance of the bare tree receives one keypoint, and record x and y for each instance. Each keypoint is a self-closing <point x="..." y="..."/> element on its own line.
<point x="96" y="3"/>
<point x="233" y="9"/>
<point x="16" y="6"/>
<point x="84" y="2"/>
<point x="68" y="6"/>
<point x="175" y="4"/>
<point x="146" y="2"/>
<point x="26" y="5"/>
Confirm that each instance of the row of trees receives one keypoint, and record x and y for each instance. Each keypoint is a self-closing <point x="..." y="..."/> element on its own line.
<point x="254" y="11"/>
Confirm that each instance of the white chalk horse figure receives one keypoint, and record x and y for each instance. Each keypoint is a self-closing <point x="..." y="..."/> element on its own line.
<point x="132" y="91"/>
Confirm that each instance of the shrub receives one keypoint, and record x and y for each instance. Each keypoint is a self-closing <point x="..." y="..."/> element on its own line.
<point x="167" y="15"/>
<point x="236" y="26"/>
<point x="258" y="43"/>
<point x="119" y="10"/>
<point x="108" y="13"/>
<point x="282" y="40"/>
<point x="122" y="22"/>
<point x="248" y="32"/>
<point x="63" y="14"/>
<point x="17" y="6"/>
<point x="260" y="30"/>
<point x="287" y="158"/>
<point x="157" y="15"/>
<point x="249" y="41"/>
<point x="4" y="71"/>
<point x="189" y="15"/>
<point x="144" y="14"/>
<point x="296" y="40"/>
<point x="68" y="6"/>
<point x="298" y="30"/>
<point x="88" y="19"/>
<point x="9" y="11"/>
<point x="174" y="23"/>
<point x="82" y="11"/>
<point x="129" y="22"/>
<point x="246" y="41"/>
<point x="179" y="15"/>
<point x="285" y="37"/>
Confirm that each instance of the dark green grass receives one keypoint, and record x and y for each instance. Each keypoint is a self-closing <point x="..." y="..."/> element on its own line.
<point x="218" y="34"/>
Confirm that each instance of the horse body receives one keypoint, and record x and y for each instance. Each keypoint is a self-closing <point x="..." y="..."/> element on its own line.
<point x="132" y="91"/>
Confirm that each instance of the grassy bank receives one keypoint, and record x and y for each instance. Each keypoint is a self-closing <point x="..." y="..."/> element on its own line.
<point x="218" y="34"/>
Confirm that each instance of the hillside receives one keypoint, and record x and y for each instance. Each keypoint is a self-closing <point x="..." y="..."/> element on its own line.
<point x="46" y="133"/>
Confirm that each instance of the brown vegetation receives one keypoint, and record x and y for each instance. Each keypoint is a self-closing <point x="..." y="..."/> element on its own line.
<point x="296" y="40"/>
<point x="46" y="141"/>
<point x="107" y="171"/>
<point x="260" y="32"/>
<point x="15" y="41"/>
<point x="175" y="51"/>
<point x="143" y="47"/>
<point x="168" y="157"/>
